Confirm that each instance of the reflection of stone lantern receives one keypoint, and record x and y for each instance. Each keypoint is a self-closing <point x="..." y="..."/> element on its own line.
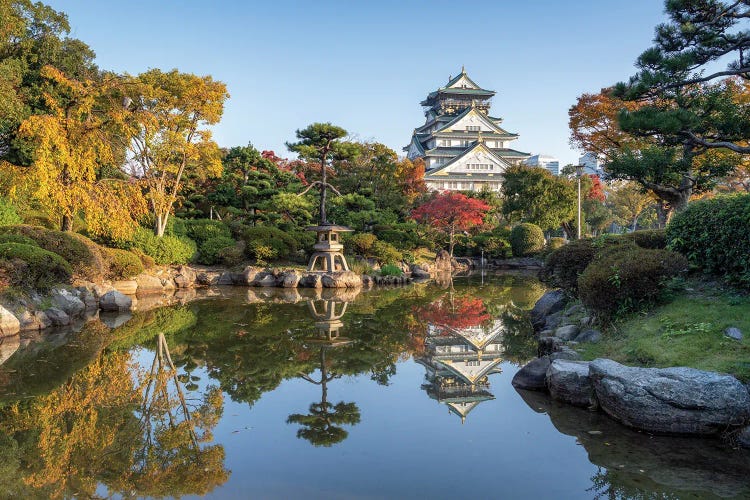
<point x="328" y="256"/>
<point x="328" y="322"/>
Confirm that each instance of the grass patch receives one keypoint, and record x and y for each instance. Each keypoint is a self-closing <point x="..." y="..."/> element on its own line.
<point x="689" y="331"/>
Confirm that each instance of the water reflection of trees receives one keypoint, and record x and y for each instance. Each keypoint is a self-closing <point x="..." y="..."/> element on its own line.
<point x="111" y="425"/>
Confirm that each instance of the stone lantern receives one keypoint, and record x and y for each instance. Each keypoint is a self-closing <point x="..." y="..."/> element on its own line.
<point x="328" y="256"/>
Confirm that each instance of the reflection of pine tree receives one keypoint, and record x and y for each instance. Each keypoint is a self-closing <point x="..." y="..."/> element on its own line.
<point x="321" y="425"/>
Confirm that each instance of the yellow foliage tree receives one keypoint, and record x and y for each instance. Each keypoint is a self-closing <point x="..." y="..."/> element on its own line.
<point x="169" y="113"/>
<point x="73" y="143"/>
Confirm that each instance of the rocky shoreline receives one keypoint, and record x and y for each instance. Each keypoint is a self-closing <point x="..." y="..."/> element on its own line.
<point x="669" y="401"/>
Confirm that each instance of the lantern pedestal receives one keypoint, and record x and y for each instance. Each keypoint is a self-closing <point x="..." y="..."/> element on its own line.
<point x="328" y="256"/>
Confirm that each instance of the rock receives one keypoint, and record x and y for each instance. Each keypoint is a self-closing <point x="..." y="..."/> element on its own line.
<point x="100" y="290"/>
<point x="185" y="277"/>
<point x="65" y="300"/>
<point x="419" y="271"/>
<point x="311" y="280"/>
<point x="248" y="275"/>
<point x="89" y="299"/>
<point x="225" y="279"/>
<point x="342" y="279"/>
<point x="743" y="438"/>
<point x="37" y="320"/>
<point x="567" y="332"/>
<point x="443" y="262"/>
<point x="533" y="375"/>
<point x="549" y="303"/>
<point x="585" y="321"/>
<point x="565" y="352"/>
<point x="573" y="310"/>
<point x="670" y="400"/>
<point x="568" y="381"/>
<point x="290" y="279"/>
<point x="265" y="279"/>
<point x="9" y="324"/>
<point x="204" y="279"/>
<point x="367" y="281"/>
<point x="168" y="283"/>
<point x="589" y="336"/>
<point x="128" y="287"/>
<point x="733" y="333"/>
<point x="552" y="321"/>
<point x="115" y="301"/>
<point x="58" y="317"/>
<point x="148" y="284"/>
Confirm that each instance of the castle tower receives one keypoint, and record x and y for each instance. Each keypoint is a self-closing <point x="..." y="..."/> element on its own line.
<point x="463" y="147"/>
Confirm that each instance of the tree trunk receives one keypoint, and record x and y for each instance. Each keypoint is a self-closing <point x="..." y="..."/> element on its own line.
<point x="569" y="232"/>
<point x="67" y="223"/>
<point x="323" y="189"/>
<point x="452" y="242"/>
<point x="160" y="226"/>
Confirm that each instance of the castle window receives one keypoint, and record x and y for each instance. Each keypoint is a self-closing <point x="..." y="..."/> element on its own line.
<point x="473" y="128"/>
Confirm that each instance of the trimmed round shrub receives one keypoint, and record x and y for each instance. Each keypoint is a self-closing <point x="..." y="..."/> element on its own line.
<point x="554" y="243"/>
<point x="360" y="244"/>
<point x="232" y="256"/>
<point x="201" y="230"/>
<point x="31" y="267"/>
<point x="281" y="244"/>
<point x="209" y="252"/>
<point x="17" y="238"/>
<point x="385" y="253"/>
<point x="715" y="236"/>
<point x="494" y="244"/>
<point x="526" y="239"/>
<point x="648" y="238"/>
<point x="122" y="264"/>
<point x="8" y="215"/>
<point x="628" y="279"/>
<point x="84" y="256"/>
<point x="164" y="250"/>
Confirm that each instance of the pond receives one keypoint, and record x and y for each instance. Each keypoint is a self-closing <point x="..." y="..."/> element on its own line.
<point x="260" y="393"/>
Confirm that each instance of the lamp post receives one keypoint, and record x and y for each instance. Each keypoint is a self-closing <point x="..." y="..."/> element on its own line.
<point x="579" y="173"/>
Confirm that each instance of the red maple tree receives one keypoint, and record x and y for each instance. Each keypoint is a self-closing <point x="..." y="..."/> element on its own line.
<point x="596" y="192"/>
<point x="455" y="313"/>
<point x="450" y="212"/>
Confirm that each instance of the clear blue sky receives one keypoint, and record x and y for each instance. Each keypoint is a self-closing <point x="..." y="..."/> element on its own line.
<point x="366" y="65"/>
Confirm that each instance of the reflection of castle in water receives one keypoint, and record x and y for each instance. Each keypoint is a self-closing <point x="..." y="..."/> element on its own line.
<point x="459" y="362"/>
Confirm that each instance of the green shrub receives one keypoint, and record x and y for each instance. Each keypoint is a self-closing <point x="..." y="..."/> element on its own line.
<point x="360" y="244"/>
<point x="495" y="244"/>
<point x="403" y="236"/>
<point x="554" y="243"/>
<point x="31" y="267"/>
<point x="627" y="279"/>
<point x="526" y="239"/>
<point x="122" y="264"/>
<point x="715" y="236"/>
<point x="283" y="245"/>
<point x="209" y="251"/>
<point x="84" y="256"/>
<point x="201" y="230"/>
<point x="17" y="238"/>
<point x="231" y="256"/>
<point x="385" y="253"/>
<point x="261" y="252"/>
<point x="390" y="270"/>
<point x="648" y="238"/>
<point x="147" y="261"/>
<point x="164" y="250"/>
<point x="8" y="215"/>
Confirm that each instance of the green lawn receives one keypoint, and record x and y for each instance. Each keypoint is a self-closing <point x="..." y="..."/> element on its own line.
<point x="689" y="331"/>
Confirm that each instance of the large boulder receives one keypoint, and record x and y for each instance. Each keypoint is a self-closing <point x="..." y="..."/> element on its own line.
<point x="568" y="381"/>
<point x="185" y="277"/>
<point x="419" y="271"/>
<point x="128" y="287"/>
<point x="58" y="317"/>
<point x="248" y="275"/>
<point x="9" y="324"/>
<point x="115" y="301"/>
<point x="68" y="302"/>
<point x="670" y="400"/>
<point x="341" y="279"/>
<point x="148" y="284"/>
<point x="290" y="279"/>
<point x="36" y="320"/>
<point x="549" y="303"/>
<point x="443" y="262"/>
<point x="265" y="279"/>
<point x="311" y="280"/>
<point x="533" y="375"/>
<point x="567" y="332"/>
<point x="589" y="336"/>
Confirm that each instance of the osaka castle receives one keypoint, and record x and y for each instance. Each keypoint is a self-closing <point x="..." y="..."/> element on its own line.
<point x="463" y="147"/>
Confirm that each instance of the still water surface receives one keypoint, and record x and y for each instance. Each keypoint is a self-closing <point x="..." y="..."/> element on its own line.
<point x="391" y="393"/>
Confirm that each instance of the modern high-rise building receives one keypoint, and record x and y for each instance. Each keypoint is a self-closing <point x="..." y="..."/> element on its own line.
<point x="591" y="164"/>
<point x="549" y="162"/>
<point x="463" y="147"/>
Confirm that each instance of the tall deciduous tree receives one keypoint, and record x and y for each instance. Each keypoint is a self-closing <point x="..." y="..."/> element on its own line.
<point x="168" y="134"/>
<point x="450" y="212"/>
<point x="532" y="194"/>
<point x="72" y="144"/>
<point x="628" y="201"/>
<point x="320" y="142"/>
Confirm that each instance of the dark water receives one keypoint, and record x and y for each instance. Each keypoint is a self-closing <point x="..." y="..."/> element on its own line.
<point x="392" y="393"/>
